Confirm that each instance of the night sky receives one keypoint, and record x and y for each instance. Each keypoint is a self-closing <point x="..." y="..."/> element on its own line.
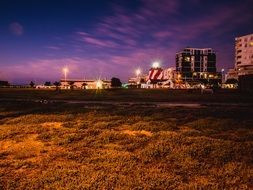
<point x="112" y="38"/>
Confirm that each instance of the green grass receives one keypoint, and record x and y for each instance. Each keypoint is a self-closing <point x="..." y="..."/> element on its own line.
<point x="72" y="146"/>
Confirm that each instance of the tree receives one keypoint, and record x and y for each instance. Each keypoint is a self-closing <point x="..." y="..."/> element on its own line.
<point x="32" y="84"/>
<point x="115" y="82"/>
<point x="71" y="83"/>
<point x="57" y="84"/>
<point x="47" y="83"/>
<point x="142" y="81"/>
<point x="84" y="85"/>
<point x="4" y="83"/>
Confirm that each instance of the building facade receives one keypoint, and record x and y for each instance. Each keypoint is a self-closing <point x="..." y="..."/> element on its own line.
<point x="244" y="61"/>
<point x="196" y="60"/>
<point x="85" y="84"/>
<point x="244" y="54"/>
<point x="195" y="64"/>
<point x="231" y="74"/>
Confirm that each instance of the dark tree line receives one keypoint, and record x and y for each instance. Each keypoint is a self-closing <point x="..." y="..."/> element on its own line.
<point x="115" y="83"/>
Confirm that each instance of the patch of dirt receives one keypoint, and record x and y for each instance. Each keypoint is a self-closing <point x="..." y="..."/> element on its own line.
<point x="27" y="148"/>
<point x="52" y="124"/>
<point x="112" y="146"/>
<point x="134" y="133"/>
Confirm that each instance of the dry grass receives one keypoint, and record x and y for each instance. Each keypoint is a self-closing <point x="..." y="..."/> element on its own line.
<point x="63" y="146"/>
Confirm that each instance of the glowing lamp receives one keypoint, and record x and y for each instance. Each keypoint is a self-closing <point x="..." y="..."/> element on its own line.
<point x="138" y="72"/>
<point x="156" y="64"/>
<point x="99" y="84"/>
<point x="65" y="70"/>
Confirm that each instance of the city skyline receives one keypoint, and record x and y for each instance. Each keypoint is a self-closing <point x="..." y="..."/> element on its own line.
<point x="113" y="38"/>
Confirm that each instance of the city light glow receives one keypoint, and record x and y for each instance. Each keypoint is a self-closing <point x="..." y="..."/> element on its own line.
<point x="65" y="71"/>
<point x="138" y="72"/>
<point x="99" y="84"/>
<point x="156" y="64"/>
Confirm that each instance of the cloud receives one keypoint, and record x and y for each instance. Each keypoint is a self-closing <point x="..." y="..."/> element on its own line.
<point x="16" y="29"/>
<point x="165" y="26"/>
<point x="127" y="39"/>
<point x="53" y="47"/>
<point x="99" y="43"/>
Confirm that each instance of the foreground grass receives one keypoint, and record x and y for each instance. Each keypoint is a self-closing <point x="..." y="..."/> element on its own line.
<point x="68" y="146"/>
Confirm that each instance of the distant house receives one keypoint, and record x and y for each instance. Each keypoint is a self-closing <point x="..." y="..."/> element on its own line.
<point x="4" y="83"/>
<point x="45" y="87"/>
<point x="231" y="74"/>
<point x="85" y="84"/>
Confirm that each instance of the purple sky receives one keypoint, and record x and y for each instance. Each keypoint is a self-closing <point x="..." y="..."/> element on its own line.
<point x="113" y="38"/>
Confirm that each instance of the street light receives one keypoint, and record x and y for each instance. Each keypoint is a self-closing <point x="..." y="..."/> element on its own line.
<point x="99" y="84"/>
<point x="138" y="72"/>
<point x="65" y="71"/>
<point x="156" y="65"/>
<point x="222" y="75"/>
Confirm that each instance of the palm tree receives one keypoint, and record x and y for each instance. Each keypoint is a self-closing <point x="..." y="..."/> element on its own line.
<point x="71" y="83"/>
<point x="57" y="84"/>
<point x="116" y="83"/>
<point x="84" y="85"/>
<point x="47" y="83"/>
<point x="32" y="84"/>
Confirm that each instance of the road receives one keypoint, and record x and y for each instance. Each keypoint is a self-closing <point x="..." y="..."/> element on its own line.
<point x="130" y="103"/>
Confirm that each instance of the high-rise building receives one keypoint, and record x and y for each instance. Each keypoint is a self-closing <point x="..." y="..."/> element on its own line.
<point x="196" y="63"/>
<point x="244" y="61"/>
<point x="196" y="60"/>
<point x="244" y="54"/>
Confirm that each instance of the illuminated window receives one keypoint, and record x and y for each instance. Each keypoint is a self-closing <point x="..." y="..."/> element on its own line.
<point x="187" y="58"/>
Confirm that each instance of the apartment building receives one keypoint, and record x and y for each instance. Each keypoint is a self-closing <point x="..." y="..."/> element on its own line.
<point x="244" y="54"/>
<point x="192" y="60"/>
<point x="197" y="64"/>
<point x="244" y="61"/>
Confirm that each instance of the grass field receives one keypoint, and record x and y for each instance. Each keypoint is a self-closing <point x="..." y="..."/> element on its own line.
<point x="160" y="95"/>
<point x="75" y="146"/>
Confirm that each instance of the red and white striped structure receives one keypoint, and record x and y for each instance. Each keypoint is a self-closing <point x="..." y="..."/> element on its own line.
<point x="155" y="74"/>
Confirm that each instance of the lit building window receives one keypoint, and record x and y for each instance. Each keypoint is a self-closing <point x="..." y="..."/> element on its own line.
<point x="187" y="58"/>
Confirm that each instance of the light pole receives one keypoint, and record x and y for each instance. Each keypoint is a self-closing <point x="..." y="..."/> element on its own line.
<point x="222" y="75"/>
<point x="156" y="65"/>
<point x="65" y="71"/>
<point x="138" y="72"/>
